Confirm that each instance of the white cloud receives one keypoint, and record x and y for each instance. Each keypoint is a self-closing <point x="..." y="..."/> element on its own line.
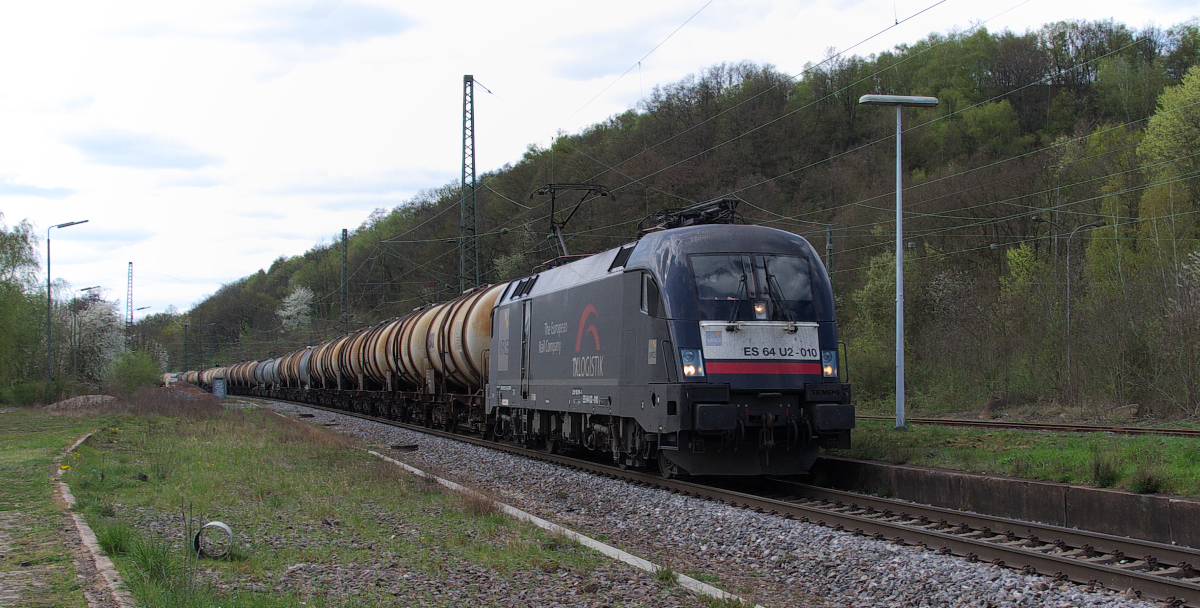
<point x="137" y="151"/>
<point x="204" y="140"/>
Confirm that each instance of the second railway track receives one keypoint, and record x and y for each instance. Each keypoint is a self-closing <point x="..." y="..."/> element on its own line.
<point x="1045" y="426"/>
<point x="1161" y="571"/>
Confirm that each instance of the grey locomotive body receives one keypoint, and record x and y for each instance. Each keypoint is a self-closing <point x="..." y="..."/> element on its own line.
<point x="709" y="349"/>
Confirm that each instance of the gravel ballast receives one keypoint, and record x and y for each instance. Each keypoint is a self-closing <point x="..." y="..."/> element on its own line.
<point x="767" y="559"/>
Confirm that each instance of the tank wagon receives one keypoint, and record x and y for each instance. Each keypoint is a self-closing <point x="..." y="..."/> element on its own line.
<point x="705" y="350"/>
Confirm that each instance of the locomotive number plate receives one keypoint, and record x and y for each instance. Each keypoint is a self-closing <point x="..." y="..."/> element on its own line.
<point x="763" y="340"/>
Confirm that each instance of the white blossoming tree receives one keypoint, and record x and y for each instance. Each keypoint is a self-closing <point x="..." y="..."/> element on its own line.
<point x="295" y="311"/>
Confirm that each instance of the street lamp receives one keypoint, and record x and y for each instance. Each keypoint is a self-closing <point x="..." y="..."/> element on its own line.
<point x="185" y="353"/>
<point x="75" y="332"/>
<point x="1098" y="224"/>
<point x="899" y="101"/>
<point x="129" y="338"/>
<point x="49" y="299"/>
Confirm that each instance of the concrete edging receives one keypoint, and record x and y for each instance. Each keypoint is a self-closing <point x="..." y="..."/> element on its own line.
<point x="104" y="566"/>
<point x="1157" y="518"/>
<point x="684" y="581"/>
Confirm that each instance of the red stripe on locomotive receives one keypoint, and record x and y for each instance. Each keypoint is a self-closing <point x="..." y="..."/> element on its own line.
<point x="763" y="367"/>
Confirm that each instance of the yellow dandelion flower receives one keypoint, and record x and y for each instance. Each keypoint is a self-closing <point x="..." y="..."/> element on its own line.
<point x="65" y="467"/>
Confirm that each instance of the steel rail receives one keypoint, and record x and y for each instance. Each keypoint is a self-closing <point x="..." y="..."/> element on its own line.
<point x="1083" y="557"/>
<point x="1159" y="560"/>
<point x="1046" y="426"/>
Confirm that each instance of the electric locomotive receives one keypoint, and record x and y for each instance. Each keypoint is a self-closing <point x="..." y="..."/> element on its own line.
<point x="702" y="348"/>
<point x="707" y="349"/>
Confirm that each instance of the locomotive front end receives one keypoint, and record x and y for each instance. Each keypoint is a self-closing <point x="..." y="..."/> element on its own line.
<point x="751" y="312"/>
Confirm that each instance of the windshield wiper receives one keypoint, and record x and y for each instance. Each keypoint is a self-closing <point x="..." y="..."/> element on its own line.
<point x="772" y="287"/>
<point x="736" y="305"/>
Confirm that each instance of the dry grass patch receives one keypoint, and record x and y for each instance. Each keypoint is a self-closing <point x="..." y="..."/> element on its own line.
<point x="478" y="503"/>
<point x="292" y="431"/>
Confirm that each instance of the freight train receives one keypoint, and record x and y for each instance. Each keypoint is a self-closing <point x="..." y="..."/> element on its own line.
<point x="705" y="349"/>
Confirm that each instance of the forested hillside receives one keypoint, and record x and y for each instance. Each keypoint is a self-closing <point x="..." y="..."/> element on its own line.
<point x="1075" y="123"/>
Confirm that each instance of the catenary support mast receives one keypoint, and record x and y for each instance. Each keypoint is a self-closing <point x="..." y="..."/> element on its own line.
<point x="129" y="308"/>
<point x="468" y="227"/>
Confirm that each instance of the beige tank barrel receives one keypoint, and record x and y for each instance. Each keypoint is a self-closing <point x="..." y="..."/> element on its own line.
<point x="399" y="350"/>
<point x="315" y="365"/>
<point x="337" y="361"/>
<point x="355" y="356"/>
<point x="460" y="334"/>
<point x="435" y="342"/>
<point x="381" y="349"/>
<point x="414" y="348"/>
<point x="470" y="332"/>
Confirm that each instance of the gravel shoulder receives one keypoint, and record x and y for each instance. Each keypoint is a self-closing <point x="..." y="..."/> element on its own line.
<point x="770" y="560"/>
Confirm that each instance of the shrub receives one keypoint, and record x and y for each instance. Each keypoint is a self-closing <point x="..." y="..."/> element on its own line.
<point x="28" y="392"/>
<point x="1148" y="478"/>
<point x="1104" y="470"/>
<point x="132" y="370"/>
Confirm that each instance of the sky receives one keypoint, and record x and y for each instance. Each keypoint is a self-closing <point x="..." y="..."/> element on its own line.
<point x="203" y="140"/>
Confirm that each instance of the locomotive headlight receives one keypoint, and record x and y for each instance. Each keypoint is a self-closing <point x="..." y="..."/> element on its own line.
<point x="760" y="311"/>
<point x="693" y="362"/>
<point x="829" y="363"/>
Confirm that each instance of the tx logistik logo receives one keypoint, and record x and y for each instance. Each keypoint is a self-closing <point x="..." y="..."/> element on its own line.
<point x="588" y="366"/>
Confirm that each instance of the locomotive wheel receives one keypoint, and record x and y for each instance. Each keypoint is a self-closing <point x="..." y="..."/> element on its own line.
<point x="667" y="469"/>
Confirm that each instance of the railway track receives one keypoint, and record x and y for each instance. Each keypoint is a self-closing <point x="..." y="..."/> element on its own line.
<point x="1159" y="571"/>
<point x="1044" y="426"/>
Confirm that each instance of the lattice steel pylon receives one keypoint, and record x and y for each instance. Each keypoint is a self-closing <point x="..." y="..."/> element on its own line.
<point x="468" y="226"/>
<point x="129" y="308"/>
<point x="343" y="310"/>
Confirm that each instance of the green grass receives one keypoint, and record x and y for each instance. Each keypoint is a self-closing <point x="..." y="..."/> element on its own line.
<point x="1138" y="464"/>
<point x="293" y="494"/>
<point x="29" y="441"/>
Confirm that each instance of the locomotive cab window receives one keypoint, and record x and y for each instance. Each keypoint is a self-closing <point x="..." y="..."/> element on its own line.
<point x="651" y="302"/>
<point x="749" y="287"/>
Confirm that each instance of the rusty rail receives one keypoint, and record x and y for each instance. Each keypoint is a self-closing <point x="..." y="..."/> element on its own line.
<point x="1045" y="426"/>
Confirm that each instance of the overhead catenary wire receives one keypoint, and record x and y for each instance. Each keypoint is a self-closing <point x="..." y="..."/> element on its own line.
<point x="938" y="231"/>
<point x="798" y="218"/>
<point x="488" y="187"/>
<point x="639" y="61"/>
<point x="527" y="209"/>
<point x="1059" y="73"/>
<point x="943" y="254"/>
<point x="792" y="78"/>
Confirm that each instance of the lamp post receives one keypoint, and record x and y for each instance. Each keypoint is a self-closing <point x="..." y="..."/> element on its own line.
<point x="75" y="333"/>
<point x="185" y="353"/>
<point x="899" y="101"/>
<point x="50" y="301"/>
<point x="1099" y="224"/>
<point x="139" y="335"/>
